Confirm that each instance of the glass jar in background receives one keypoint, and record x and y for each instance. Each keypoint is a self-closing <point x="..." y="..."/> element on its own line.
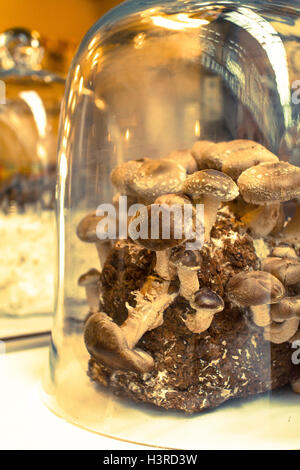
<point x="193" y="104"/>
<point x="29" y="114"/>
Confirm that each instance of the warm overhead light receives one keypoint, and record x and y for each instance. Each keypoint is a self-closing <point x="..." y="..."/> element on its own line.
<point x="178" y="22"/>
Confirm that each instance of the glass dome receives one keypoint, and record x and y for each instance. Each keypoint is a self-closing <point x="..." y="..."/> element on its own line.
<point x="178" y="214"/>
<point x="29" y="115"/>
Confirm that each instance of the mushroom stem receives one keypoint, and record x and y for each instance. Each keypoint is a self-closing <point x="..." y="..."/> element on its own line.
<point x="163" y="267"/>
<point x="285" y="269"/>
<point x="199" y="322"/>
<point x="211" y="206"/>
<point x="103" y="249"/>
<point x="90" y="281"/>
<point x="189" y="282"/>
<point x="261" y="315"/>
<point x="145" y="316"/>
<point x="92" y="296"/>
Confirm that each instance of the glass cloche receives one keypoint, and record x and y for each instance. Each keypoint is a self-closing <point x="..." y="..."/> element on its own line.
<point x="178" y="307"/>
<point x="29" y="114"/>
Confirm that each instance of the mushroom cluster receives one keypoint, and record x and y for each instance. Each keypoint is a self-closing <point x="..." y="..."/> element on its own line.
<point x="241" y="177"/>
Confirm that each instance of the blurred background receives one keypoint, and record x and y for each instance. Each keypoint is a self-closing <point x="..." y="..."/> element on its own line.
<point x="35" y="56"/>
<point x="61" y="24"/>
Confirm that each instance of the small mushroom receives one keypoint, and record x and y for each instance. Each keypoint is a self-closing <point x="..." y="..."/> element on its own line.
<point x="206" y="303"/>
<point x="284" y="251"/>
<point x="87" y="232"/>
<point x="188" y="263"/>
<point x="185" y="159"/>
<point x="279" y="333"/>
<point x="90" y="281"/>
<point x="157" y="177"/>
<point x="162" y="235"/>
<point x="261" y="315"/>
<point x="251" y="288"/>
<point x="287" y="308"/>
<point x="268" y="183"/>
<point x="287" y="270"/>
<point x="114" y="345"/>
<point x="210" y="187"/>
<point x="107" y="344"/>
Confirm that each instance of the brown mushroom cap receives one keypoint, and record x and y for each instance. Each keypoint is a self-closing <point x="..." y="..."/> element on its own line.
<point x="157" y="177"/>
<point x="122" y="176"/>
<point x="185" y="159"/>
<point x="88" y="278"/>
<point x="284" y="251"/>
<point x="246" y="155"/>
<point x="206" y="303"/>
<point x="186" y="259"/>
<point x="210" y="183"/>
<point x="206" y="299"/>
<point x="156" y="216"/>
<point x="287" y="270"/>
<point x="270" y="182"/>
<point x="86" y="229"/>
<point x="214" y="156"/>
<point x="199" y="151"/>
<point x="254" y="288"/>
<point x="105" y="342"/>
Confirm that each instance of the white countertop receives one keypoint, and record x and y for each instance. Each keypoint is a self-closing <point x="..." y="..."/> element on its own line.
<point x="26" y="423"/>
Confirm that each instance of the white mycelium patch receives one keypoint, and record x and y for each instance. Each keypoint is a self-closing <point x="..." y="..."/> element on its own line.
<point x="261" y="248"/>
<point x="27" y="260"/>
